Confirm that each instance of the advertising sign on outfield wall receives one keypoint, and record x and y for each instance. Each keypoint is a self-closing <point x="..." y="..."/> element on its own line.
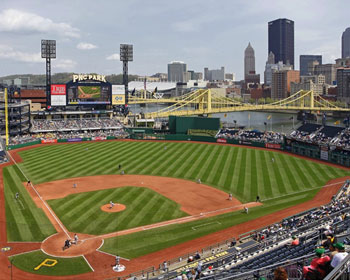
<point x="58" y="95"/>
<point x="273" y="146"/>
<point x="221" y="140"/>
<point x="47" y="141"/>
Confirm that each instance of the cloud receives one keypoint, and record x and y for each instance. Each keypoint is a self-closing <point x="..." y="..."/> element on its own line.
<point x="8" y="52"/>
<point x="194" y="24"/>
<point x="329" y="50"/>
<point x="86" y="46"/>
<point x="64" y="64"/>
<point x="185" y="26"/>
<point x="114" y="56"/>
<point x="18" y="21"/>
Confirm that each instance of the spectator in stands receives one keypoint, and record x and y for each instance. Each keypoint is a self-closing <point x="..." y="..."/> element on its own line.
<point x="328" y="231"/>
<point x="331" y="239"/>
<point x="197" y="256"/>
<point x="165" y="266"/>
<point x="339" y="256"/>
<point x="332" y="251"/>
<point x="233" y="242"/>
<point x="280" y="274"/>
<point x="295" y="241"/>
<point x="318" y="266"/>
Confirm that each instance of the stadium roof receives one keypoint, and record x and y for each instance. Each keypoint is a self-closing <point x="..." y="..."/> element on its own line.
<point x="150" y="86"/>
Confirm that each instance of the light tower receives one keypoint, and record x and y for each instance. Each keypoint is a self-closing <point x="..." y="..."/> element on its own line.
<point x="126" y="55"/>
<point x="48" y="51"/>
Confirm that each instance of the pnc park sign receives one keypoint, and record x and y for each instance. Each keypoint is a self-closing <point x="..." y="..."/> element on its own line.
<point x="84" y="77"/>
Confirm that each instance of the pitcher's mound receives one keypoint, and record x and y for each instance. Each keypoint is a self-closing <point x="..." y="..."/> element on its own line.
<point x="116" y="208"/>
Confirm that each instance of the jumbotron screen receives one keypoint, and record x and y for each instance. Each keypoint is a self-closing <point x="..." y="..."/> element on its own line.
<point x="88" y="94"/>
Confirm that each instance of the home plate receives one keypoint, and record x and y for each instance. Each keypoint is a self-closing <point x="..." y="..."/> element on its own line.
<point x="119" y="268"/>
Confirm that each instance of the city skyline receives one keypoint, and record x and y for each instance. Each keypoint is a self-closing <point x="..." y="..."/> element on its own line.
<point x="200" y="33"/>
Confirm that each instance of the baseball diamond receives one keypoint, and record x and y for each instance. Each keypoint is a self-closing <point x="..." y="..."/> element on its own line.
<point x="167" y="212"/>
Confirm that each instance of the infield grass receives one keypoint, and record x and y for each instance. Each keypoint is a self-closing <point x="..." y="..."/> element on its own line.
<point x="64" y="266"/>
<point x="143" y="207"/>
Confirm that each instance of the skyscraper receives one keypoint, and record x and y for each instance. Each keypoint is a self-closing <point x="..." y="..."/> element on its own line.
<point x="249" y="61"/>
<point x="345" y="43"/>
<point x="343" y="81"/>
<point x="304" y="62"/>
<point x="281" y="40"/>
<point x="177" y="72"/>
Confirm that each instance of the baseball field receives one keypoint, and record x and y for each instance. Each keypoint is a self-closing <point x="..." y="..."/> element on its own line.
<point x="159" y="186"/>
<point x="89" y="91"/>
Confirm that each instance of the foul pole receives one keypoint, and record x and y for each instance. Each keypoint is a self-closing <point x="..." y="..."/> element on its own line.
<point x="6" y="119"/>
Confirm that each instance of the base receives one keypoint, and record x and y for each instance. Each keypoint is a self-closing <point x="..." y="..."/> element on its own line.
<point x="119" y="268"/>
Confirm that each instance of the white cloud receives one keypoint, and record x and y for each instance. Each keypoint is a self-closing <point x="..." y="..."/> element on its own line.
<point x="329" y="50"/>
<point x="185" y="26"/>
<point x="8" y="52"/>
<point x="64" y="64"/>
<point x="86" y="46"/>
<point x="18" y="21"/>
<point x="114" y="56"/>
<point x="195" y="23"/>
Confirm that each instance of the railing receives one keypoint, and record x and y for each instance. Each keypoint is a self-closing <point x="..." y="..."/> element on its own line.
<point x="341" y="271"/>
<point x="293" y="268"/>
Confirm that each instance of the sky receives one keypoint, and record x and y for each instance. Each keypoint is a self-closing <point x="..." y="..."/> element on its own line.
<point x="202" y="33"/>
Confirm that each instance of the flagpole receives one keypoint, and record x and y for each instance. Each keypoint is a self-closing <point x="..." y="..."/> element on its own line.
<point x="271" y="123"/>
<point x="249" y="119"/>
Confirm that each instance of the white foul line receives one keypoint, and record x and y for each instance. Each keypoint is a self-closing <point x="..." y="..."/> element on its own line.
<point x="43" y="201"/>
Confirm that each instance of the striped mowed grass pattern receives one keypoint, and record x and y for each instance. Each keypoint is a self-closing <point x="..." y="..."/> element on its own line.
<point x="143" y="207"/>
<point x="238" y="170"/>
<point x="25" y="222"/>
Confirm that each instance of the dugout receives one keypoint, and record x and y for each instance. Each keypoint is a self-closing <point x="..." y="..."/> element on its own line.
<point x="181" y="125"/>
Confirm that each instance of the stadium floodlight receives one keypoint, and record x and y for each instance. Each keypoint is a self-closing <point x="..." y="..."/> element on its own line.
<point x="48" y="48"/>
<point x="126" y="52"/>
<point x="48" y="51"/>
<point x="126" y="55"/>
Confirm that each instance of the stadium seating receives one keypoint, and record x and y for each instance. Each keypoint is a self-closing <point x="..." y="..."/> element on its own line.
<point x="3" y="157"/>
<point x="72" y="128"/>
<point x="252" y="135"/>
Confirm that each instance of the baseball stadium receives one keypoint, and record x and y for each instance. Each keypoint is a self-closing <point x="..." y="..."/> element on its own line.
<point x="95" y="198"/>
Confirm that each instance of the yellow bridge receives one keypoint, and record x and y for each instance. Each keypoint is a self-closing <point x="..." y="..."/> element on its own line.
<point x="203" y="101"/>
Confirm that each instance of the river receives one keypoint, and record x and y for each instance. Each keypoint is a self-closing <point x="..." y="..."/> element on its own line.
<point x="280" y="122"/>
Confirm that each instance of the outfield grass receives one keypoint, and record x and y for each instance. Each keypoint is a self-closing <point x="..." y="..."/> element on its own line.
<point x="237" y="170"/>
<point x="25" y="222"/>
<point x="143" y="207"/>
<point x="241" y="171"/>
<point x="64" y="266"/>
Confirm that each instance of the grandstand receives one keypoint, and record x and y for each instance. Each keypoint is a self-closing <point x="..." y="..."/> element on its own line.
<point x="72" y="129"/>
<point x="3" y="157"/>
<point x="314" y="133"/>
<point x="74" y="125"/>
<point x="252" y="135"/>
